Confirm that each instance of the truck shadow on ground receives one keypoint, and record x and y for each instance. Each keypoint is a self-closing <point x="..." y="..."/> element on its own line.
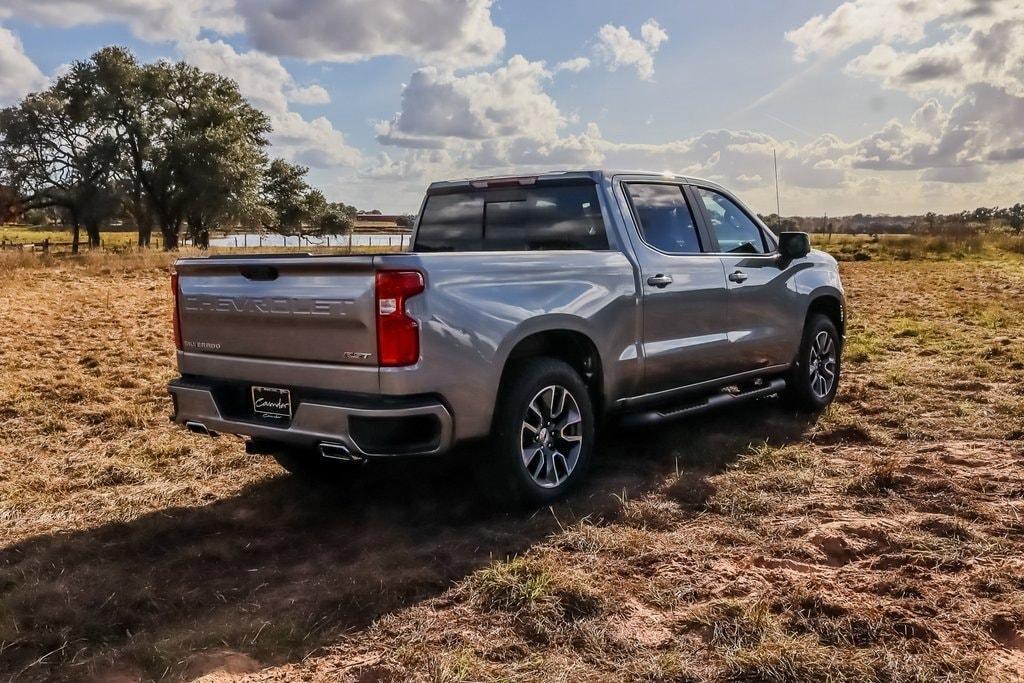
<point x="285" y="567"/>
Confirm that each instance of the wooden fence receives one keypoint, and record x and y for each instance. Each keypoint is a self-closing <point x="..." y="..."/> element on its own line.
<point x="45" y="247"/>
<point x="48" y="246"/>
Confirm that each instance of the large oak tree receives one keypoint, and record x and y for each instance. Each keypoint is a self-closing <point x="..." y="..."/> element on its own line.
<point x="57" y="152"/>
<point x="193" y="146"/>
<point x="175" y="145"/>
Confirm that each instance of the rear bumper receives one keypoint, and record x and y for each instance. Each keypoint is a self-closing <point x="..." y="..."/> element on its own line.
<point x="368" y="426"/>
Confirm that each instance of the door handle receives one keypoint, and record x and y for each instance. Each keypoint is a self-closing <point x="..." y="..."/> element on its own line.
<point x="660" y="280"/>
<point x="738" y="276"/>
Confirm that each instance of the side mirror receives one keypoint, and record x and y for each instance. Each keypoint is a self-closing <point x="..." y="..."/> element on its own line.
<point x="794" y="245"/>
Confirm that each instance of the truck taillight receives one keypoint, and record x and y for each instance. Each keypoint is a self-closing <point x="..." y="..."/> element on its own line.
<point x="177" y="313"/>
<point x="398" y="335"/>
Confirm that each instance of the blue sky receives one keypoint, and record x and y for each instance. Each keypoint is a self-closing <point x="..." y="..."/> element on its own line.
<point x="871" y="105"/>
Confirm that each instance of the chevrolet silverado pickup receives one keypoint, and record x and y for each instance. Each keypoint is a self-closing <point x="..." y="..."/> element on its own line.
<point x="528" y="311"/>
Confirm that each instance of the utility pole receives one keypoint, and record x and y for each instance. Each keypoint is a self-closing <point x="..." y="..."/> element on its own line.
<point x="778" y="204"/>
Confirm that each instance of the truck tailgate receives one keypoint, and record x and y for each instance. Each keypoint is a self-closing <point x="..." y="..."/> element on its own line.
<point x="295" y="308"/>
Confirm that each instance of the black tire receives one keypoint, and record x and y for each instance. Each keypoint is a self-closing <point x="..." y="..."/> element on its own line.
<point x="505" y="474"/>
<point x="808" y="387"/>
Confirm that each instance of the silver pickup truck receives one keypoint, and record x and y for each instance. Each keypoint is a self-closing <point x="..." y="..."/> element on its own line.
<point x="529" y="310"/>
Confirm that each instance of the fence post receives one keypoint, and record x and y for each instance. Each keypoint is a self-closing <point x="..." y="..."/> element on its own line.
<point x="46" y="245"/>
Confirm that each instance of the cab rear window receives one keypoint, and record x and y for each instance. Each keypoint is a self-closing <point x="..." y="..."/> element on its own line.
<point x="537" y="218"/>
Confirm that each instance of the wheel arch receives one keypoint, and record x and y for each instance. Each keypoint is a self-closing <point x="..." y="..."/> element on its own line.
<point x="568" y="344"/>
<point x="831" y="305"/>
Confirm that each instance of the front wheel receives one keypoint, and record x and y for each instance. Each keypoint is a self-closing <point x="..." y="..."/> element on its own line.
<point x="544" y="434"/>
<point x="814" y="378"/>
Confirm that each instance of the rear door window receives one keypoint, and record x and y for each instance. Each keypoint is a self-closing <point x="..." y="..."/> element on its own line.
<point x="542" y="217"/>
<point x="451" y="222"/>
<point x="666" y="222"/>
<point x="735" y="230"/>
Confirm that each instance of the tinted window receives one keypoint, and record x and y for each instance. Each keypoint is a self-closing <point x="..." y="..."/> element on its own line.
<point x="736" y="232"/>
<point x="451" y="222"/>
<point x="666" y="222"/>
<point x="565" y="217"/>
<point x="544" y="217"/>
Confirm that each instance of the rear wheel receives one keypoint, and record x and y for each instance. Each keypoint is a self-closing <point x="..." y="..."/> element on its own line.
<point x="814" y="378"/>
<point x="544" y="434"/>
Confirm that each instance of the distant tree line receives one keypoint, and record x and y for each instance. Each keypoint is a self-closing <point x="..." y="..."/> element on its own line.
<point x="965" y="222"/>
<point x="163" y="146"/>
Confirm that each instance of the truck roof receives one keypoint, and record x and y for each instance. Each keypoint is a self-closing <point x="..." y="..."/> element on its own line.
<point x="597" y="175"/>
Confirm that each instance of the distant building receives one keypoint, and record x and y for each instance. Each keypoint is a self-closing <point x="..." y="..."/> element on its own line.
<point x="378" y="222"/>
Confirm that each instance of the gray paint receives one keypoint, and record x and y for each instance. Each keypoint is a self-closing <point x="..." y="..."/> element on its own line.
<point x="653" y="343"/>
<point x="312" y="423"/>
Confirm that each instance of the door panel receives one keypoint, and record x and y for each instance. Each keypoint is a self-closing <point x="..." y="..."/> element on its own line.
<point x="685" y="336"/>
<point x="761" y="303"/>
<point x="761" y="312"/>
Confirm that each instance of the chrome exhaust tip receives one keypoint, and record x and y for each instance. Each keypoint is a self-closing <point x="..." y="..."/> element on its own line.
<point x="197" y="428"/>
<point x="337" y="451"/>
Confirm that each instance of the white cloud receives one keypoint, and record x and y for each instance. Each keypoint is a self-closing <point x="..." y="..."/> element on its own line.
<point x="964" y="148"/>
<point x="314" y="143"/>
<point x="653" y="34"/>
<point x="150" y="20"/>
<point x="457" y="32"/>
<point x="573" y="65"/>
<point x="982" y="128"/>
<point x="261" y="78"/>
<point x="310" y="94"/>
<point x="902" y="22"/>
<point x="956" y="174"/>
<point x="439" y="105"/>
<point x="740" y="159"/>
<point x="454" y="32"/>
<point x="267" y="84"/>
<point x="992" y="54"/>
<point x="974" y="59"/>
<point x="18" y="74"/>
<point x="620" y="49"/>
<point x="859" y="21"/>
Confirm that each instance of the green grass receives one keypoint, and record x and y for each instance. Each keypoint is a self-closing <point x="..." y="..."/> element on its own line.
<point x="916" y="247"/>
<point x="512" y="585"/>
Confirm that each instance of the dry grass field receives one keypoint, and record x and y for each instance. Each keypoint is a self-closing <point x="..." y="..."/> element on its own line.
<point x="881" y="541"/>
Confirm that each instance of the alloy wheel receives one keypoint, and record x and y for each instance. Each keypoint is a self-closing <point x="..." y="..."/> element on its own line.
<point x="551" y="436"/>
<point x="822" y="364"/>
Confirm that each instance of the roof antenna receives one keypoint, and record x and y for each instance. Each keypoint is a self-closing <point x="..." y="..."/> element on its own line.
<point x="778" y="205"/>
